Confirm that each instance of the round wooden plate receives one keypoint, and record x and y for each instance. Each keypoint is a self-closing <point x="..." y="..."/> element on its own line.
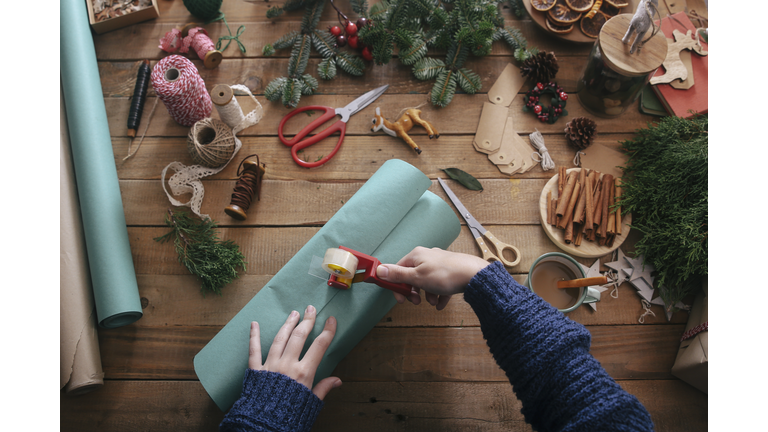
<point x="587" y="249"/>
<point x="576" y="35"/>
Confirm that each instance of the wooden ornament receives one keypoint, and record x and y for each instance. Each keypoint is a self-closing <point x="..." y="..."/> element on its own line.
<point x="673" y="66"/>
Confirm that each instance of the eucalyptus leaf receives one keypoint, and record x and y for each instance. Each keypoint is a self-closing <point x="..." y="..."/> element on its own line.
<point x="464" y="178"/>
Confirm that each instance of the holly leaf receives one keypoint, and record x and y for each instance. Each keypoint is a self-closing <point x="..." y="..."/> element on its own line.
<point x="464" y="178"/>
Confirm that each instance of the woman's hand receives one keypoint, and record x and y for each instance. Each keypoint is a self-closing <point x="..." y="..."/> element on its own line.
<point x="436" y="271"/>
<point x="284" y="353"/>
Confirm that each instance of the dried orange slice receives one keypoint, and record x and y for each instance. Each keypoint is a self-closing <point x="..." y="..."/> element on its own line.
<point x="542" y="5"/>
<point x="558" y="28"/>
<point x="609" y="10"/>
<point x="580" y="5"/>
<point x="591" y="26"/>
<point x="562" y="15"/>
<point x="618" y="3"/>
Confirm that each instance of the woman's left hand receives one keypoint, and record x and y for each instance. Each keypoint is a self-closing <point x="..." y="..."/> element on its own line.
<point x="283" y="356"/>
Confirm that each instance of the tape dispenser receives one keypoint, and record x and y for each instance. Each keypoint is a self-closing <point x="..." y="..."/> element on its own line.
<point x="347" y="266"/>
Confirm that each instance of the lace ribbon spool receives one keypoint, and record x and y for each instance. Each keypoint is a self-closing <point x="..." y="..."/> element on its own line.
<point x="182" y="90"/>
<point x="211" y="143"/>
<point x="247" y="186"/>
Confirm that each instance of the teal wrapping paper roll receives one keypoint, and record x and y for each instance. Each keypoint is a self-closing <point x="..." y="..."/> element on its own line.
<point x="389" y="216"/>
<point x="115" y="289"/>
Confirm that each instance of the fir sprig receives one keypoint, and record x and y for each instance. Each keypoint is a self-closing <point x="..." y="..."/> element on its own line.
<point x="665" y="187"/>
<point x="213" y="261"/>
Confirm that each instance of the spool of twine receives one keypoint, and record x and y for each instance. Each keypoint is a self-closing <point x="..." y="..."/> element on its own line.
<point x="182" y="90"/>
<point x="211" y="143"/>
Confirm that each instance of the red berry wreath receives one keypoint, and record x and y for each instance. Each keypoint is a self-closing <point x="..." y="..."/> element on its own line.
<point x="556" y="108"/>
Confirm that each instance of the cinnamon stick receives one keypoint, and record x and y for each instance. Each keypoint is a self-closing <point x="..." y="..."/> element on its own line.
<point x="579" y="236"/>
<point x="578" y="215"/>
<point x="588" y="206"/>
<point x="565" y="196"/>
<point x="611" y="212"/>
<point x="568" y="214"/>
<point x="605" y="198"/>
<point x="568" y="236"/>
<point x="597" y="207"/>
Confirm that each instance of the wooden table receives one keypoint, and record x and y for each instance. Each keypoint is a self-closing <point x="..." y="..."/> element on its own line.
<point x="418" y="369"/>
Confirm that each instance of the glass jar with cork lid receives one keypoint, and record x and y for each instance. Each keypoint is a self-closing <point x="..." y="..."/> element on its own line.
<point x="613" y="78"/>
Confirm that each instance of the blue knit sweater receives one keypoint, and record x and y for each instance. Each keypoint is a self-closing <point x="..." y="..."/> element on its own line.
<point x="544" y="354"/>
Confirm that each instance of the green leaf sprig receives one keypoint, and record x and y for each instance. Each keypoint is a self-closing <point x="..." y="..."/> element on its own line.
<point x="213" y="261"/>
<point x="466" y="179"/>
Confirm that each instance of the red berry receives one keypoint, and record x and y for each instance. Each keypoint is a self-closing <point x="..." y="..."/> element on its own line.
<point x="335" y="30"/>
<point x="353" y="41"/>
<point x="537" y="109"/>
<point x="341" y="40"/>
<point x="564" y="96"/>
<point x="362" y="22"/>
<point x="540" y="86"/>
<point x="351" y="29"/>
<point x="367" y="55"/>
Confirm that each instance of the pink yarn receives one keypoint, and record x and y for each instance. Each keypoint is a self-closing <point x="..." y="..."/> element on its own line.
<point x="197" y="38"/>
<point x="182" y="90"/>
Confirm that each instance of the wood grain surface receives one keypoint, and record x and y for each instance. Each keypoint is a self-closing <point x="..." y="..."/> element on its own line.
<point x="418" y="369"/>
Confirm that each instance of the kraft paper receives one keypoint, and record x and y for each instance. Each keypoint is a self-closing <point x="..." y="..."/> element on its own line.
<point x="79" y="343"/>
<point x="390" y="215"/>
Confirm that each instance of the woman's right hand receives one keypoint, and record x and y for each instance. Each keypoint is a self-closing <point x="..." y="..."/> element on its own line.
<point x="436" y="271"/>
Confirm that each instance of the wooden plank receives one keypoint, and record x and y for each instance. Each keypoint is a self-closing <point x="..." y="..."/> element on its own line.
<point x="183" y="405"/>
<point x="392" y="354"/>
<point x="267" y="250"/>
<point x="118" y="78"/>
<point x="461" y="117"/>
<point x="310" y="203"/>
<point x="358" y="158"/>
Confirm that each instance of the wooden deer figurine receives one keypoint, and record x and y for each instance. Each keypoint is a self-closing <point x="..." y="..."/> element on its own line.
<point x="673" y="66"/>
<point x="404" y="124"/>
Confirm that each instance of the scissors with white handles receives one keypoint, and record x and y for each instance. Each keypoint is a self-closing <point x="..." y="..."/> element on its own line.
<point x="492" y="248"/>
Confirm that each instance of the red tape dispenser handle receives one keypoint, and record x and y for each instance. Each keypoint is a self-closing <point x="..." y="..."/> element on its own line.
<point x="344" y="265"/>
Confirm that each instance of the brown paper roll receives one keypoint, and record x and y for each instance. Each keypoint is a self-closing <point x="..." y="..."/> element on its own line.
<point x="80" y="358"/>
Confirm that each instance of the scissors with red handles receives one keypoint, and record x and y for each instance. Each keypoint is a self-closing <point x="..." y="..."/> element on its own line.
<point x="300" y="142"/>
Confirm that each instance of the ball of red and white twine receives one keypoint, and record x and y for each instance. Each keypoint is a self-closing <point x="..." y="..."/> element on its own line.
<point x="182" y="90"/>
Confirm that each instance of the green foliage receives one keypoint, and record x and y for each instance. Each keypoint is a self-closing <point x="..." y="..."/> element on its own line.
<point x="518" y="8"/>
<point x="268" y="50"/>
<point x="274" y="12"/>
<point x="408" y="29"/>
<point x="301" y="42"/>
<point x="466" y="179"/>
<point x="213" y="261"/>
<point x="665" y="188"/>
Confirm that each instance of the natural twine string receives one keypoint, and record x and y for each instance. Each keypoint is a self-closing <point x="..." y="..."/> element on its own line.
<point x="542" y="156"/>
<point x="647" y="306"/>
<point x="211" y="143"/>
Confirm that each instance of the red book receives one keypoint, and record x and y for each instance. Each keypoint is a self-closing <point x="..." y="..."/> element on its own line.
<point x="680" y="103"/>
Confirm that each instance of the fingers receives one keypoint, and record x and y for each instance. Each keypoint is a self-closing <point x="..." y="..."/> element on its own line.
<point x="299" y="334"/>
<point x="442" y="302"/>
<point x="282" y="336"/>
<point x="322" y="388"/>
<point x="321" y="343"/>
<point x="254" y="350"/>
<point x="430" y="297"/>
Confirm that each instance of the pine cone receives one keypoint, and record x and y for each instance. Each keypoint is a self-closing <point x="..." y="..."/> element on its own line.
<point x="541" y="67"/>
<point x="580" y="131"/>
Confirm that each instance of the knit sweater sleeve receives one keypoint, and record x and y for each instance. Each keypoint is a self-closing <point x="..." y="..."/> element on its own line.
<point x="546" y="357"/>
<point x="272" y="402"/>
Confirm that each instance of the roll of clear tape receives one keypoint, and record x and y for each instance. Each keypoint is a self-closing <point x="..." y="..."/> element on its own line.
<point x="339" y="262"/>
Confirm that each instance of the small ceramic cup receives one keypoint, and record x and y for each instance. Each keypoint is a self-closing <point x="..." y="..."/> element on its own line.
<point x="560" y="262"/>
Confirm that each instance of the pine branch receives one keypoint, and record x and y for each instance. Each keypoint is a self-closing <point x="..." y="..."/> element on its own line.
<point x="327" y="69"/>
<point x="214" y="262"/>
<point x="444" y="88"/>
<point x="297" y="63"/>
